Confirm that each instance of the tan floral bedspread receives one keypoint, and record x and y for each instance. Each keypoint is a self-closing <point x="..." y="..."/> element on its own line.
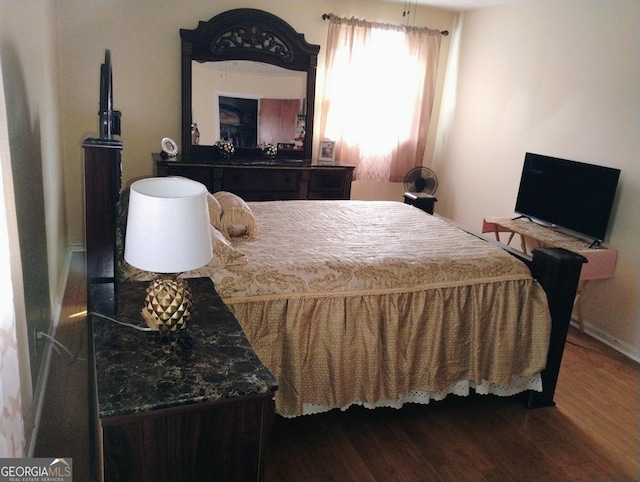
<point x="349" y="301"/>
<point x="357" y="247"/>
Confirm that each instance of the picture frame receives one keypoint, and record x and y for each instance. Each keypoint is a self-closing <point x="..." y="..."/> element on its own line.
<point x="169" y="147"/>
<point x="327" y="152"/>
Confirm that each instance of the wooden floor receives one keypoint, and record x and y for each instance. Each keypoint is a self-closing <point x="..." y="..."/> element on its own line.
<point x="63" y="430"/>
<point x="591" y="434"/>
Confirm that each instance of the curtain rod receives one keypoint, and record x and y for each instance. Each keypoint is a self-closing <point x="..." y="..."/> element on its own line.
<point x="327" y="16"/>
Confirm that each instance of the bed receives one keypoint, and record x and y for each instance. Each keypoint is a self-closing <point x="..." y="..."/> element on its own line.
<point x="342" y="319"/>
<point x="379" y="303"/>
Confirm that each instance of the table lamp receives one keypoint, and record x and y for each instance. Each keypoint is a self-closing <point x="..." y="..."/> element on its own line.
<point x="167" y="234"/>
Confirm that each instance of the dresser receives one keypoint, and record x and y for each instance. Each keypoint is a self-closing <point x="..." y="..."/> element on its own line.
<point x="256" y="180"/>
<point x="195" y="407"/>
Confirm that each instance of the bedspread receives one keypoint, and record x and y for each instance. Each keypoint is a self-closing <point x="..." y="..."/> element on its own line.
<point x="361" y="301"/>
<point x="358" y="247"/>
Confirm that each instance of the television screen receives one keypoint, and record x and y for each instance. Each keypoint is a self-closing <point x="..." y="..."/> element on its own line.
<point x="570" y="195"/>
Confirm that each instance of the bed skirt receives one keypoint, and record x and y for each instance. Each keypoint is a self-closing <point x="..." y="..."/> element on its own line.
<point x="332" y="352"/>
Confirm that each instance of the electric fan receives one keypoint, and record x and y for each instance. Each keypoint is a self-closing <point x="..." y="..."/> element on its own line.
<point x="421" y="180"/>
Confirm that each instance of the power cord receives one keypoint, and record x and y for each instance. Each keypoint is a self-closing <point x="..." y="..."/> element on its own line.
<point x="135" y="327"/>
<point x="57" y="344"/>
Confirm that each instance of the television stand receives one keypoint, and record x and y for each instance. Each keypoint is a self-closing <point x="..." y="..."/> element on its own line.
<point x="601" y="261"/>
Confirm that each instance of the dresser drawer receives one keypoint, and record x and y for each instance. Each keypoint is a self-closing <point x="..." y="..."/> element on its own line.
<point x="329" y="184"/>
<point x="281" y="180"/>
<point x="326" y="181"/>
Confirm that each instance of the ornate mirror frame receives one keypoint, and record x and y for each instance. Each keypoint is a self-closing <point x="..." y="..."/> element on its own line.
<point x="246" y="34"/>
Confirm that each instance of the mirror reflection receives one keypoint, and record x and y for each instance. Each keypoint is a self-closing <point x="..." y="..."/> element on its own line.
<point x="249" y="103"/>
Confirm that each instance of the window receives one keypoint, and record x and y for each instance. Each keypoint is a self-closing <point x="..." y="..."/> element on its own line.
<point x="378" y="95"/>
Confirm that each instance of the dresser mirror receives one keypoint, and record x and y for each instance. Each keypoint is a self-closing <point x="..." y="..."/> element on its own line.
<point x="235" y="61"/>
<point x="249" y="103"/>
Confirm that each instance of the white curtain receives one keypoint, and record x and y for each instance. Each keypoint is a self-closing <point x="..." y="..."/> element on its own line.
<point x="378" y="95"/>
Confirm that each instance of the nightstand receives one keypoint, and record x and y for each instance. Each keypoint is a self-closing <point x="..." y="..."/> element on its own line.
<point x="420" y="200"/>
<point x="195" y="406"/>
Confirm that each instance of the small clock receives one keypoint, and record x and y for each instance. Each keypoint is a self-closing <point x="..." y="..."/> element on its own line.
<point x="169" y="147"/>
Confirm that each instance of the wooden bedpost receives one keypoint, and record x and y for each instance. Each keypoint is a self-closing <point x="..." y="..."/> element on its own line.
<point x="558" y="271"/>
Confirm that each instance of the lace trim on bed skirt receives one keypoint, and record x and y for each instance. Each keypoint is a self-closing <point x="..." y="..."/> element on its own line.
<point x="461" y="388"/>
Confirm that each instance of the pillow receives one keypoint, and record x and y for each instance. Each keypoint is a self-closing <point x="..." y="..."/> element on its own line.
<point x="237" y="219"/>
<point x="215" y="211"/>
<point x="223" y="253"/>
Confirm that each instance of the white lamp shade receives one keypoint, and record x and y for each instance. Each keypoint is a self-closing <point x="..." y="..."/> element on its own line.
<point x="167" y="225"/>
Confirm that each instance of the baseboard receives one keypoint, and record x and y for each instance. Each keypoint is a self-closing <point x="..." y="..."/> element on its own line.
<point x="611" y="343"/>
<point x="41" y="385"/>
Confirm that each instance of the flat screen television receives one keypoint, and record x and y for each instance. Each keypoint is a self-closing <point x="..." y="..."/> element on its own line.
<point x="573" y="196"/>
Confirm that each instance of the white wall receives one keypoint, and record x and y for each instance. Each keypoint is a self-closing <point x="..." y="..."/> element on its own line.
<point x="556" y="78"/>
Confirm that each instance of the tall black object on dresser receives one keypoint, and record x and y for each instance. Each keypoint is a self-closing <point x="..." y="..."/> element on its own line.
<point x="102" y="180"/>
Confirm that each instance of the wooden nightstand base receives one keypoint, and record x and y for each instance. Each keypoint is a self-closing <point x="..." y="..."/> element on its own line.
<point x="420" y="200"/>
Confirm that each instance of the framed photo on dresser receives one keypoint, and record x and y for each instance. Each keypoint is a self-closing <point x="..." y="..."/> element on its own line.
<point x="327" y="152"/>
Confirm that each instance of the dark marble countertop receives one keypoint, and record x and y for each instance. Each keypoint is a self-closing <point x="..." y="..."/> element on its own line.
<point x="140" y="371"/>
